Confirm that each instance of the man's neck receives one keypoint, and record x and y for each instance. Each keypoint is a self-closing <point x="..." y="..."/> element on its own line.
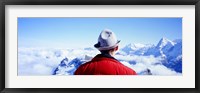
<point x="111" y="54"/>
<point x="108" y="53"/>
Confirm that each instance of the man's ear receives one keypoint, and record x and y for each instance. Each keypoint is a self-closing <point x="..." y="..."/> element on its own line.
<point x="116" y="48"/>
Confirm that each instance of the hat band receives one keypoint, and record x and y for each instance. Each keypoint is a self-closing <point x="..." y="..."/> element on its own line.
<point x="108" y="47"/>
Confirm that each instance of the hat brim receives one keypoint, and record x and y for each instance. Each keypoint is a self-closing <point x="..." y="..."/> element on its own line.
<point x="107" y="47"/>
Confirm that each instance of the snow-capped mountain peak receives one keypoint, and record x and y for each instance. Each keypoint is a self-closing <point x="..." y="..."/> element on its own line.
<point x="135" y="46"/>
<point x="164" y="42"/>
<point x="63" y="62"/>
<point x="137" y="49"/>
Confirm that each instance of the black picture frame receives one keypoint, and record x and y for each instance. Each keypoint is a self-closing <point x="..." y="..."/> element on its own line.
<point x="3" y="3"/>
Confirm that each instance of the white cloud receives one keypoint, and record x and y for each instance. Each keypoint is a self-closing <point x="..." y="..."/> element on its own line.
<point x="162" y="70"/>
<point x="36" y="61"/>
<point x="146" y="62"/>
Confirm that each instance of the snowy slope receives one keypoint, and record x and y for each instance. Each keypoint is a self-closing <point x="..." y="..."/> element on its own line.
<point x="136" y="49"/>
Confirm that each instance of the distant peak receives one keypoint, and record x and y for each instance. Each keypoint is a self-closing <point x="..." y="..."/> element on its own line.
<point x="88" y="48"/>
<point x="164" y="41"/>
<point x="135" y="45"/>
<point x="130" y="44"/>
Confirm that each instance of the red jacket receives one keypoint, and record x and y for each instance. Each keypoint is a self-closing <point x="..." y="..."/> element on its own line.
<point x="104" y="65"/>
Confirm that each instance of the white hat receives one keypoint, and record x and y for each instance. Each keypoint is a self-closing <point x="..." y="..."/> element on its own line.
<point x="107" y="40"/>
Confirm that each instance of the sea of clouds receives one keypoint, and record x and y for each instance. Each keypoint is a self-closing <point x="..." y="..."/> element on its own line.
<point x="41" y="61"/>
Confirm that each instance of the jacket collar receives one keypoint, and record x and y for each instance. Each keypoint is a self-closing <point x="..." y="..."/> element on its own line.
<point x="106" y="55"/>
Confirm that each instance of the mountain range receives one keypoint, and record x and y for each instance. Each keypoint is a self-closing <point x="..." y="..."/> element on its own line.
<point x="169" y="51"/>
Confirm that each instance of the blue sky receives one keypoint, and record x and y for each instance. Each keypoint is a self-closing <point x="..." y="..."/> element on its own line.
<point x="84" y="32"/>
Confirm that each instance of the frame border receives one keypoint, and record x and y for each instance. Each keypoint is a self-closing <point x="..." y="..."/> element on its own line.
<point x="3" y="3"/>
